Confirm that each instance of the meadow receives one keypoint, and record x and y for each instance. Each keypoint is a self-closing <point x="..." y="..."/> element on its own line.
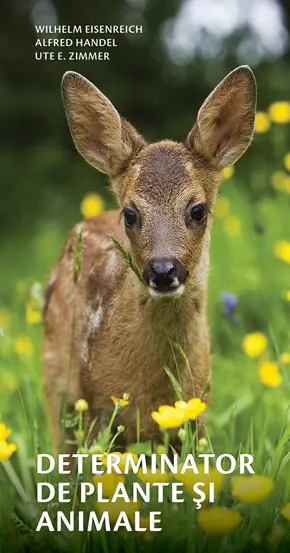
<point x="249" y="307"/>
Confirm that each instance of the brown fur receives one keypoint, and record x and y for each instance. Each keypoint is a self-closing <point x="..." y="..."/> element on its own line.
<point x="107" y="335"/>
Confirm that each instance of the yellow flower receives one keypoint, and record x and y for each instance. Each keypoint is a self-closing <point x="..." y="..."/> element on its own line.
<point x="23" y="346"/>
<point x="189" y="478"/>
<point x="285" y="511"/>
<point x="288" y="295"/>
<point x="254" y="344"/>
<point x="232" y="226"/>
<point x="287" y="161"/>
<point x="169" y="417"/>
<point x="279" y="112"/>
<point x="81" y="405"/>
<point x="262" y="122"/>
<point x="192" y="409"/>
<point x="109" y="482"/>
<point x="269" y="374"/>
<point x="114" y="509"/>
<point x="251" y="489"/>
<point x="222" y="208"/>
<point x="92" y="204"/>
<point x="218" y="520"/>
<point x="5" y="318"/>
<point x="119" y="401"/>
<point x="287" y="185"/>
<point x="282" y="250"/>
<point x="151" y="478"/>
<point x="6" y="450"/>
<point x="121" y="458"/>
<point x="33" y="312"/>
<point x="8" y="381"/>
<point x="285" y="358"/>
<point x="278" y="179"/>
<point x="4" y="432"/>
<point x="227" y="172"/>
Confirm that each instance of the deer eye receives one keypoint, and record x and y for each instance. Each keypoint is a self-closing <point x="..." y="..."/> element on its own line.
<point x="198" y="213"/>
<point x="130" y="217"/>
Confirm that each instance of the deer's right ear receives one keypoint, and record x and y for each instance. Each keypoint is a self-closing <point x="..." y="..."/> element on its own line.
<point x="100" y="135"/>
<point x="225" y="122"/>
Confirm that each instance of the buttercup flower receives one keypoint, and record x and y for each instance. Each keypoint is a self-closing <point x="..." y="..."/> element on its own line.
<point x="285" y="511"/>
<point x="262" y="122"/>
<point x="277" y="180"/>
<point x="192" y="409"/>
<point x="287" y="185"/>
<point x="222" y="208"/>
<point x="228" y="172"/>
<point x="287" y="295"/>
<point x="169" y="417"/>
<point x="285" y="358"/>
<point x="114" y="509"/>
<point x="282" y="250"/>
<point x="189" y="478"/>
<point x="23" y="346"/>
<point x="92" y="205"/>
<point x="81" y="405"/>
<point x="232" y="226"/>
<point x="8" y="381"/>
<point x="218" y="520"/>
<point x="287" y="161"/>
<point x="151" y="478"/>
<point x="279" y="112"/>
<point x="4" y="432"/>
<point x="33" y="312"/>
<point x="109" y="482"/>
<point x="5" y="318"/>
<point x="254" y="344"/>
<point x="6" y="450"/>
<point x="251" y="489"/>
<point x="120" y="401"/>
<point x="269" y="374"/>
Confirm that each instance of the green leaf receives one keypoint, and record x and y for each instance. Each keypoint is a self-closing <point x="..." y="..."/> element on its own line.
<point x="141" y="447"/>
<point x="127" y="257"/>
<point x="175" y="384"/>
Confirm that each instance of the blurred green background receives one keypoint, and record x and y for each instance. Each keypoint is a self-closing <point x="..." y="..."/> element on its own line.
<point x="158" y="80"/>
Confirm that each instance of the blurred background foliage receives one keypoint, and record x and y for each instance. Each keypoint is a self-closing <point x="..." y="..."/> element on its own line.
<point x="157" y="80"/>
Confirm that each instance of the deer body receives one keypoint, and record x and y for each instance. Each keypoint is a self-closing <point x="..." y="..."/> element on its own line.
<point x="111" y="333"/>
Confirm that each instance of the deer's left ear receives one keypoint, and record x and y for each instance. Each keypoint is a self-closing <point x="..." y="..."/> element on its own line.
<point x="225" y="122"/>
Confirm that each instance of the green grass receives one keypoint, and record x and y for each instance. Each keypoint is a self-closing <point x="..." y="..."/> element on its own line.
<point x="244" y="415"/>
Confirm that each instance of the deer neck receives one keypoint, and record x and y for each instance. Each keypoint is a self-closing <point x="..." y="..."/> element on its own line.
<point x="153" y="327"/>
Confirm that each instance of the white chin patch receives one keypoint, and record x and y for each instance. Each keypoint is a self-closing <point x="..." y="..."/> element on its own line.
<point x="155" y="293"/>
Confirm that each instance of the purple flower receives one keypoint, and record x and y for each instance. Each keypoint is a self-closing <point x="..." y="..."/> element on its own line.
<point x="230" y="303"/>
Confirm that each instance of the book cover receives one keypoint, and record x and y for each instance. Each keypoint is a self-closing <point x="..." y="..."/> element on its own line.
<point x="144" y="282"/>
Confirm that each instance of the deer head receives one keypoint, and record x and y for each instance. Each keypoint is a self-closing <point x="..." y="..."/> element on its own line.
<point x="166" y="190"/>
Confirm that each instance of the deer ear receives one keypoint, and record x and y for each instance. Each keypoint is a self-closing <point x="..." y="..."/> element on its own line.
<point x="225" y="122"/>
<point x="101" y="136"/>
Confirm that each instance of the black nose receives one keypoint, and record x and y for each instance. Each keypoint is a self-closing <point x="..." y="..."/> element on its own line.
<point x="164" y="274"/>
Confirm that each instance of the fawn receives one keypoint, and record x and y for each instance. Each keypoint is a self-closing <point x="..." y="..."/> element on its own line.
<point x="112" y="332"/>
